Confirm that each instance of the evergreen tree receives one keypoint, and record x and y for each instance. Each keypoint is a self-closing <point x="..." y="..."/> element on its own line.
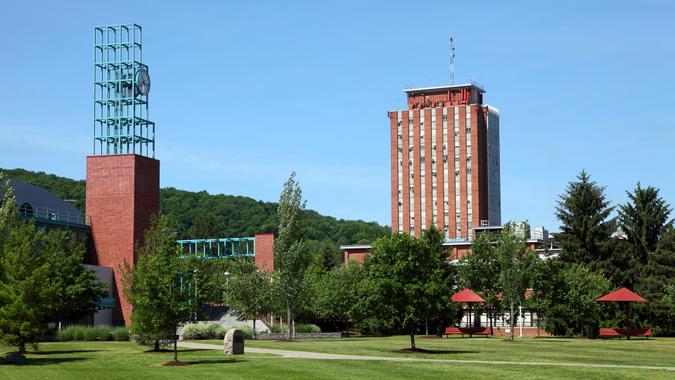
<point x="42" y="278"/>
<point x="289" y="250"/>
<point x="583" y="211"/>
<point x="643" y="220"/>
<point x="26" y="293"/>
<point x="657" y="277"/>
<point x="159" y="286"/>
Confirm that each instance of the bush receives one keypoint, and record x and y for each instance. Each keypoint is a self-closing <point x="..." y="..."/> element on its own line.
<point x="299" y="328"/>
<point x="203" y="330"/>
<point x="92" y="333"/>
<point x="120" y="334"/>
<point x="307" y="328"/>
<point x="246" y="329"/>
<point x="276" y="329"/>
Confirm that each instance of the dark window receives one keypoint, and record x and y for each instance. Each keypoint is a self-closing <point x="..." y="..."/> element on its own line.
<point x="26" y="210"/>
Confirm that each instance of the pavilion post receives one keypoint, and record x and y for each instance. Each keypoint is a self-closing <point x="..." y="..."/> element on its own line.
<point x="626" y="319"/>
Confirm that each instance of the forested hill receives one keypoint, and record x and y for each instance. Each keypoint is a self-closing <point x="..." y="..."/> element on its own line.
<point x="200" y="214"/>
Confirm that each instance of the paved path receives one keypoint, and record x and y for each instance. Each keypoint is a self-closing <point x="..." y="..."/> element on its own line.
<point x="323" y="356"/>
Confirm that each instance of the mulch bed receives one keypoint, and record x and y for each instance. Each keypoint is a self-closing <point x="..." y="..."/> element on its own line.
<point x="176" y="364"/>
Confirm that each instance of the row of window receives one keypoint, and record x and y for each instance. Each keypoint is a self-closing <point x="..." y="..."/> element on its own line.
<point x="422" y="174"/>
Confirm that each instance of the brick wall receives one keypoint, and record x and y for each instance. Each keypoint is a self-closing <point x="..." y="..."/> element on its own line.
<point x="264" y="253"/>
<point x="122" y="194"/>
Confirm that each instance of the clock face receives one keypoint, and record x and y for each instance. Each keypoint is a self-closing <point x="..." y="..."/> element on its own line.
<point x="142" y="82"/>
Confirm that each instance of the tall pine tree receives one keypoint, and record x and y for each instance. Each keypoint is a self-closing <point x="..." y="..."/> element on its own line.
<point x="643" y="220"/>
<point x="656" y="280"/>
<point x="583" y="211"/>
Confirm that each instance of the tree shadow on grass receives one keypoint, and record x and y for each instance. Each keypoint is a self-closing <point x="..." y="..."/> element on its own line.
<point x="432" y="352"/>
<point x="216" y="361"/>
<point x="44" y="361"/>
<point x="59" y="352"/>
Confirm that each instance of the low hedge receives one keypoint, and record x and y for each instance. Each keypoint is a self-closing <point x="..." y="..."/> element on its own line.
<point x="92" y="333"/>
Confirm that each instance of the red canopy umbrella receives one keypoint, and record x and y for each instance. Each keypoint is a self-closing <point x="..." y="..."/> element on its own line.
<point x="468" y="297"/>
<point x="623" y="296"/>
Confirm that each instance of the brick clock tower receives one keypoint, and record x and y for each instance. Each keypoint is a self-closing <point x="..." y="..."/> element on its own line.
<point x="122" y="173"/>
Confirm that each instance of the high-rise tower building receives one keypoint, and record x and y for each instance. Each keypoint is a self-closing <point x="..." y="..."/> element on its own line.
<point x="445" y="162"/>
<point x="122" y="174"/>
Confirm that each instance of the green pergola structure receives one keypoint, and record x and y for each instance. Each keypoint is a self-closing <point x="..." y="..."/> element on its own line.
<point x="218" y="248"/>
<point x="121" y="85"/>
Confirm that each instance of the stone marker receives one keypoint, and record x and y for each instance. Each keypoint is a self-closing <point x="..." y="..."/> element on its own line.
<point x="233" y="344"/>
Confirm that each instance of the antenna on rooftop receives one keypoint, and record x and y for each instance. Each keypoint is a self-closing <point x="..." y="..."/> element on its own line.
<point x="452" y="61"/>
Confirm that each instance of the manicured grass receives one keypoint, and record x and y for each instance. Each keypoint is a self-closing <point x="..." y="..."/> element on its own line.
<point x="125" y="360"/>
<point x="655" y="351"/>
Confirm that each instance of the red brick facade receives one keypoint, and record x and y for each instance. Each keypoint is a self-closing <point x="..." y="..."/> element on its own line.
<point x="264" y="253"/>
<point x="122" y="194"/>
<point x="465" y="100"/>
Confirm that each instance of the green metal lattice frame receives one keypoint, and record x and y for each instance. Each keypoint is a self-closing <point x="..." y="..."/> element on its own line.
<point x="121" y="123"/>
<point x="221" y="248"/>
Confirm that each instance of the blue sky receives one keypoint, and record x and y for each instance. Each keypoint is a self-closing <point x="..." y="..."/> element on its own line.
<point x="243" y="93"/>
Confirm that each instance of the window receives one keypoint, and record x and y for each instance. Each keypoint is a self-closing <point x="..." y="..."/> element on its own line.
<point x="26" y="210"/>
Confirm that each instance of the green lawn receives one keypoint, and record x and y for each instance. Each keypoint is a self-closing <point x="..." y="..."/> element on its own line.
<point x="122" y="360"/>
<point x="655" y="351"/>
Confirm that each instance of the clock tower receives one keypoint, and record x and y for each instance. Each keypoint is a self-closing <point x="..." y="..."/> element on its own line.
<point x="122" y="172"/>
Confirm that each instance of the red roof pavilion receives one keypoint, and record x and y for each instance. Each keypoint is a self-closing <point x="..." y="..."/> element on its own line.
<point x="621" y="295"/>
<point x="466" y="296"/>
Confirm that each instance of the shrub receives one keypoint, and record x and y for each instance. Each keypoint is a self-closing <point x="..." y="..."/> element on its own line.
<point x="276" y="329"/>
<point x="92" y="333"/>
<point x="307" y="328"/>
<point x="246" y="329"/>
<point x="203" y="330"/>
<point x="119" y="334"/>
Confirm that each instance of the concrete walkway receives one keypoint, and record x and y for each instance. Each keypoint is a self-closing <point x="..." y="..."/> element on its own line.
<point x="323" y="356"/>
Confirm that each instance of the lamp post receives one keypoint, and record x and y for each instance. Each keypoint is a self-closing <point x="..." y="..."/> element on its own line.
<point x="196" y="299"/>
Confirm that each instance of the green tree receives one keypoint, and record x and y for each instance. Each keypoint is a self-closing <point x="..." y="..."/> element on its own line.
<point x="158" y="286"/>
<point x="515" y="263"/>
<point x="643" y="219"/>
<point x="289" y="250"/>
<point x="479" y="271"/>
<point x="42" y="278"/>
<point x="205" y="226"/>
<point x="26" y="293"/>
<point x="237" y="215"/>
<point x="403" y="282"/>
<point x="572" y="292"/>
<point x="542" y="273"/>
<point x="249" y="292"/>
<point x="583" y="211"/>
<point x="443" y="310"/>
<point x="335" y="293"/>
<point x="77" y="287"/>
<point x="656" y="278"/>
